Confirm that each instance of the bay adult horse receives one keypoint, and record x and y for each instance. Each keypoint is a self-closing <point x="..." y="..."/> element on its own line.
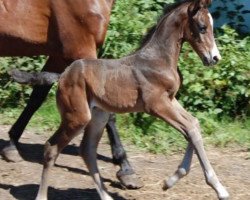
<point x="145" y="81"/>
<point x="64" y="30"/>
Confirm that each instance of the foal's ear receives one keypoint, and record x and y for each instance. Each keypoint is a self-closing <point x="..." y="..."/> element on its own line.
<point x="197" y="4"/>
<point x="203" y="3"/>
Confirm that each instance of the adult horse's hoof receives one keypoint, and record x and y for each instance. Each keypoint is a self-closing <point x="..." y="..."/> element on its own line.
<point x="130" y="181"/>
<point x="11" y="154"/>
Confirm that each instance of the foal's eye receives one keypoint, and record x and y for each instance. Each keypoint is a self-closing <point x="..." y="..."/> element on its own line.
<point x="202" y="29"/>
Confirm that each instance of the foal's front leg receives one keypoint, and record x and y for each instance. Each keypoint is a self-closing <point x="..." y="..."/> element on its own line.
<point x="169" y="111"/>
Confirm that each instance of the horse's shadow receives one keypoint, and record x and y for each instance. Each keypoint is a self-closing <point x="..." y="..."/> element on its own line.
<point x="29" y="191"/>
<point x="34" y="152"/>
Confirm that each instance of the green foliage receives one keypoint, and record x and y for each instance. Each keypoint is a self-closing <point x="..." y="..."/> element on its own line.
<point x="223" y="89"/>
<point x="130" y="19"/>
<point x="13" y="94"/>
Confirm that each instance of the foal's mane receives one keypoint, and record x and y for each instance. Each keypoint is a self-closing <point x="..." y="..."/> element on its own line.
<point x="167" y="10"/>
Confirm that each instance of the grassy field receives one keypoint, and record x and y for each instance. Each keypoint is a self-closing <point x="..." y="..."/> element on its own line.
<point x="157" y="137"/>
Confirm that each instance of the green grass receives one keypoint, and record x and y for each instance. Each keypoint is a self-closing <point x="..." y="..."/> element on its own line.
<point x="45" y="119"/>
<point x="157" y="138"/>
<point x="227" y="132"/>
<point x="161" y="138"/>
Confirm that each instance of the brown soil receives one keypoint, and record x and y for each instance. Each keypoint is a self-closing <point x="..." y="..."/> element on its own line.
<point x="70" y="178"/>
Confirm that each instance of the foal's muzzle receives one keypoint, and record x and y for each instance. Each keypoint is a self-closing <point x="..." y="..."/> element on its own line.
<point x="210" y="60"/>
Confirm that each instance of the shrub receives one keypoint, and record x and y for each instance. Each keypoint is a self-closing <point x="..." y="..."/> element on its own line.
<point x="130" y="19"/>
<point x="13" y="94"/>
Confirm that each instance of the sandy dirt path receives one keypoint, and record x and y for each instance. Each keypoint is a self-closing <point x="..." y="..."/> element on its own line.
<point x="70" y="178"/>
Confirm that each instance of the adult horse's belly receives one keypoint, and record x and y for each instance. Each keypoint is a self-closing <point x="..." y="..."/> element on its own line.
<point x="24" y="23"/>
<point x="10" y="46"/>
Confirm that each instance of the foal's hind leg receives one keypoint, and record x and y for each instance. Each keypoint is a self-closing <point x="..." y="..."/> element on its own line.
<point x="182" y="170"/>
<point x="169" y="111"/>
<point x="75" y="115"/>
<point x="126" y="174"/>
<point x="184" y="167"/>
<point x="92" y="135"/>
<point x="51" y="151"/>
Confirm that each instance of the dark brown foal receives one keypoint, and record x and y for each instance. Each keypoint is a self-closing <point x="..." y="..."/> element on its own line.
<point x="146" y="81"/>
<point x="64" y="30"/>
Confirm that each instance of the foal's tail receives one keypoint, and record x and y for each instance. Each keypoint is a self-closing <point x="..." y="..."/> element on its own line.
<point x="34" y="78"/>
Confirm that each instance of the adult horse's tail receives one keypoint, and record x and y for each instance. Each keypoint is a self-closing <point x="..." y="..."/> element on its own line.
<point x="34" y="78"/>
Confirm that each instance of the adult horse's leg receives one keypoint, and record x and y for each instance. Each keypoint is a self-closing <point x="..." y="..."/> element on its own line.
<point x="37" y="97"/>
<point x="169" y="110"/>
<point x="75" y="115"/>
<point x="10" y="152"/>
<point x="126" y="174"/>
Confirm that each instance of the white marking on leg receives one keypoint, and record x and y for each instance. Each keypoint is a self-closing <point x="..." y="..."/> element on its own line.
<point x="182" y="170"/>
<point x="99" y="187"/>
<point x="210" y="175"/>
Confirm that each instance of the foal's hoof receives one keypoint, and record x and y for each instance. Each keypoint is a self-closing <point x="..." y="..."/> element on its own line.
<point x="11" y="154"/>
<point x="130" y="181"/>
<point x="224" y="198"/>
<point x="166" y="185"/>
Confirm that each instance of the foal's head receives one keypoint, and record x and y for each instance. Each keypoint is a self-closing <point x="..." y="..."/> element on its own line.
<point x="199" y="32"/>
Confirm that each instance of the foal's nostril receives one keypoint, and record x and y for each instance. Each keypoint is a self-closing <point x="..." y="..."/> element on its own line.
<point x="215" y="58"/>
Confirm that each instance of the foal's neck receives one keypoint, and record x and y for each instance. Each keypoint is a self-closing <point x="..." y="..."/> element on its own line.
<point x="166" y="42"/>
